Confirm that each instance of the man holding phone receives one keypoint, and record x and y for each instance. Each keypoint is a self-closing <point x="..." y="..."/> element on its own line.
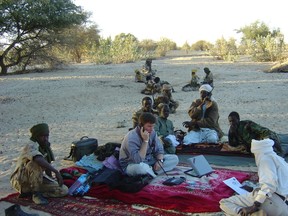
<point x="203" y="127"/>
<point x="141" y="151"/>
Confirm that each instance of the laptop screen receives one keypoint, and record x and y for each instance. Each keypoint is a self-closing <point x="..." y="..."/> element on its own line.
<point x="200" y="166"/>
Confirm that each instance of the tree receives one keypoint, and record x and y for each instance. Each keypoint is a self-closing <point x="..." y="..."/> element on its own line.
<point x="77" y="41"/>
<point x="201" y="45"/>
<point x="225" y="49"/>
<point x="164" y="45"/>
<point x="29" y="26"/>
<point x="148" y="45"/>
<point x="125" y="48"/>
<point x="186" y="47"/>
<point x="261" y="42"/>
<point x="102" y="53"/>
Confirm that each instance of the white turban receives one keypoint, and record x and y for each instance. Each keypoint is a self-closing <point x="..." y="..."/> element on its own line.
<point x="205" y="87"/>
<point x="262" y="146"/>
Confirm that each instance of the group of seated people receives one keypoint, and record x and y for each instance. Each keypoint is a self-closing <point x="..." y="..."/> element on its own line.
<point x="195" y="82"/>
<point x="146" y="71"/>
<point x="203" y="126"/>
<point x="150" y="147"/>
<point x="141" y="152"/>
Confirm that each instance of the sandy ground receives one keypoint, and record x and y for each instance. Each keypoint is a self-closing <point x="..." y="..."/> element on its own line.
<point x="90" y="100"/>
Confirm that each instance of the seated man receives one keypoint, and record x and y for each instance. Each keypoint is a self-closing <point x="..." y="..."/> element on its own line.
<point x="208" y="79"/>
<point x="141" y="149"/>
<point x="242" y="133"/>
<point x="270" y="198"/>
<point x="203" y="127"/>
<point x="166" y="97"/>
<point x="28" y="177"/>
<point x="194" y="83"/>
<point x="165" y="130"/>
<point x="146" y="107"/>
<point x="139" y="77"/>
<point x="147" y="68"/>
<point x="152" y="86"/>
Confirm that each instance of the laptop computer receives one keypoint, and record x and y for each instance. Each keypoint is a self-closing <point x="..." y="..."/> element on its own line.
<point x="200" y="166"/>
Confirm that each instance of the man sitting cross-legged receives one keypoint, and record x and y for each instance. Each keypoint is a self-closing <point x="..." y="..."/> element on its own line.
<point x="270" y="198"/>
<point x="141" y="151"/>
<point x="165" y="129"/>
<point x="204" y="114"/>
<point x="35" y="158"/>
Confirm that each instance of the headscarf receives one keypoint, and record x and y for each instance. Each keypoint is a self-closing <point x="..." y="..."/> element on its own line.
<point x="46" y="151"/>
<point x="205" y="87"/>
<point x="39" y="129"/>
<point x="262" y="146"/>
<point x="206" y="70"/>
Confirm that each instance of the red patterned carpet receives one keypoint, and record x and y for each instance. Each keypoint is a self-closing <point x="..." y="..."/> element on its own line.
<point x="196" y="195"/>
<point x="75" y="206"/>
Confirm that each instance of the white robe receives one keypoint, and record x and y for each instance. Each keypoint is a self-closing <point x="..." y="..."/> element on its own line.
<point x="273" y="178"/>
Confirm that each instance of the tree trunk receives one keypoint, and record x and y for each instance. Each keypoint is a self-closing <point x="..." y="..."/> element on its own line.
<point x="4" y="69"/>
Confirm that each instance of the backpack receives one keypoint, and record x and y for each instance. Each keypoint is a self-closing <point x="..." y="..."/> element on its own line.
<point x="132" y="184"/>
<point x="115" y="179"/>
<point x="84" y="146"/>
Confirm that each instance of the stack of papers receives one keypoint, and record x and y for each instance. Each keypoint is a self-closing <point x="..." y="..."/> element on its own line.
<point x="234" y="184"/>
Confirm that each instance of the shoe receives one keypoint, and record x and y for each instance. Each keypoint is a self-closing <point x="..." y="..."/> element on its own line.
<point x="15" y="210"/>
<point x="39" y="199"/>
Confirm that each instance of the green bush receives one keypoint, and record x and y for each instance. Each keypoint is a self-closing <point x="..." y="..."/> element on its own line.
<point x="225" y="50"/>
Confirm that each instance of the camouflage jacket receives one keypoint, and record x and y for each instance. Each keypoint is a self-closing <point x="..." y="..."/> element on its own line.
<point x="248" y="130"/>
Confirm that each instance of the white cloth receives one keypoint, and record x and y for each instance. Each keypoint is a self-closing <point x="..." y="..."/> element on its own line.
<point x="205" y="87"/>
<point x="204" y="135"/>
<point x="273" y="175"/>
<point x="172" y="139"/>
<point x="273" y="206"/>
<point x="272" y="170"/>
<point x="262" y="146"/>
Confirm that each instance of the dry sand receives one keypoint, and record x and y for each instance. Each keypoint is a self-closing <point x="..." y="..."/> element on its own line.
<point x="90" y="100"/>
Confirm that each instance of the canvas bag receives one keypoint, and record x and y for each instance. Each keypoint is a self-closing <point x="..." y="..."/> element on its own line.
<point x="84" y="146"/>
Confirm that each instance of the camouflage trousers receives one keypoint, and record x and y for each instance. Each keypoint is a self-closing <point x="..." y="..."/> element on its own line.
<point x="29" y="178"/>
<point x="277" y="143"/>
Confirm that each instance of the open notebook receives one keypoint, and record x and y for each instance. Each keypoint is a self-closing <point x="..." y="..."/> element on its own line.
<point x="200" y="166"/>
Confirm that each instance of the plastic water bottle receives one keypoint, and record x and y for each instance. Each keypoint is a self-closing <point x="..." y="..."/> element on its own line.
<point x="77" y="184"/>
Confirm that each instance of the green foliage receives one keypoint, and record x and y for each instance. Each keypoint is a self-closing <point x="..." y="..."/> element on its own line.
<point x="262" y="43"/>
<point x="186" y="47"/>
<point x="254" y="31"/>
<point x="124" y="48"/>
<point x="225" y="49"/>
<point x="102" y="54"/>
<point x="164" y="45"/>
<point x="148" y="45"/>
<point x="27" y="26"/>
<point x="75" y="42"/>
<point x="201" y="45"/>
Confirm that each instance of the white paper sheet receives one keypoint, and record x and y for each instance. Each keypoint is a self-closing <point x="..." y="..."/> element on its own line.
<point x="234" y="184"/>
